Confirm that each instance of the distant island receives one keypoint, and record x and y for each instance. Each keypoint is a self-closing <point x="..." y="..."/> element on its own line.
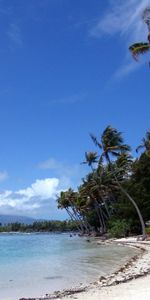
<point x="7" y="219"/>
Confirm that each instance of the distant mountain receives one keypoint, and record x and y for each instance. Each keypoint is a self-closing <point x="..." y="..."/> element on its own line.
<point x="5" y="219"/>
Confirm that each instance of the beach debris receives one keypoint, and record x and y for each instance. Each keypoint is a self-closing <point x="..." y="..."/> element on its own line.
<point x="59" y="294"/>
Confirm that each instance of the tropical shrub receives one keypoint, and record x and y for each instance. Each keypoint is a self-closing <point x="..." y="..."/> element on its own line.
<point x="119" y="228"/>
<point x="148" y="230"/>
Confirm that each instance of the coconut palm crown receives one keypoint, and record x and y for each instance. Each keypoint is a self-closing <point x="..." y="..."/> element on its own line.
<point x="90" y="158"/>
<point x="111" y="143"/>
<point x="145" y="144"/>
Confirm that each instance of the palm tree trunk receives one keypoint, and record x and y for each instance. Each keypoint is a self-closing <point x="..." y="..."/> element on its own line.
<point x="131" y="200"/>
<point x="100" y="220"/>
<point x="73" y="218"/>
<point x="106" y="206"/>
<point x="98" y="212"/>
<point x="89" y="228"/>
<point x="136" y="207"/>
<point x="100" y="217"/>
<point x="82" y="225"/>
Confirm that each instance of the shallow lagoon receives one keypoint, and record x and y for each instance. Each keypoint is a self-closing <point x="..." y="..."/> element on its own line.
<point x="35" y="264"/>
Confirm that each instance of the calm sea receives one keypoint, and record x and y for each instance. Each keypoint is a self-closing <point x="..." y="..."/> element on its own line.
<point x="35" y="264"/>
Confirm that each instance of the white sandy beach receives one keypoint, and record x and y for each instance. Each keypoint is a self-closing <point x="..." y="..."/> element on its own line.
<point x="138" y="289"/>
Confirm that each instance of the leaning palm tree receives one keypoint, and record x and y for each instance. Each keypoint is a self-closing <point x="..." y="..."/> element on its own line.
<point x="63" y="203"/>
<point x="88" y="191"/>
<point x="112" y="144"/>
<point x="145" y="144"/>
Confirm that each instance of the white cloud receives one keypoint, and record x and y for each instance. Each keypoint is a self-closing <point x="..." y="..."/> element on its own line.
<point x="39" y="199"/>
<point x="123" y="18"/>
<point x="3" y="175"/>
<point x="35" y="200"/>
<point x="43" y="189"/>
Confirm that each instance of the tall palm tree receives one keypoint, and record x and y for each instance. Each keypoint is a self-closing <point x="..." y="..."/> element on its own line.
<point x="145" y="144"/>
<point x="112" y="144"/>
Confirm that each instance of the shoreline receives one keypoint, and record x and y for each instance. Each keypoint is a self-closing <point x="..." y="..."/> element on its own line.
<point x="136" y="267"/>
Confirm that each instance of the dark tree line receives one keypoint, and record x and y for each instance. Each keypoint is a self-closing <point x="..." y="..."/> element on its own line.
<point x="40" y="226"/>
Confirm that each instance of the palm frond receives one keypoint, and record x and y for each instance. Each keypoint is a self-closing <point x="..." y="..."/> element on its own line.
<point x="139" y="48"/>
<point x="139" y="148"/>
<point x="94" y="139"/>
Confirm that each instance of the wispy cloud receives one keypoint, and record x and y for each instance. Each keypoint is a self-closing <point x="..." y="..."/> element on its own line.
<point x="5" y="8"/>
<point x="50" y="164"/>
<point x="125" y="19"/>
<point x="14" y="34"/>
<point x="5" y="11"/>
<point x="125" y="69"/>
<point x="72" y="99"/>
<point x="68" y="171"/>
<point x="3" y="175"/>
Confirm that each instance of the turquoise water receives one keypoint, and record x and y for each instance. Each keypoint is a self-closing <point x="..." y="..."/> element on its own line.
<point x="35" y="264"/>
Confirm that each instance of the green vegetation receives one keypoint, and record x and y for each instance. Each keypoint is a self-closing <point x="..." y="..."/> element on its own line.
<point x="148" y="231"/>
<point x="119" y="228"/>
<point x="114" y="196"/>
<point x="40" y="226"/>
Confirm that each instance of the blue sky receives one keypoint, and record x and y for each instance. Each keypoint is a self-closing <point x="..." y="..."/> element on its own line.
<point x="65" y="71"/>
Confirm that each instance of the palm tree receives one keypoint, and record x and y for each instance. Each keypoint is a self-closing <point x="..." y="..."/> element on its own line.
<point x="64" y="203"/>
<point x="89" y="193"/>
<point x="112" y="144"/>
<point x="145" y="144"/>
<point x="90" y="159"/>
<point x="123" y="165"/>
<point x="96" y="188"/>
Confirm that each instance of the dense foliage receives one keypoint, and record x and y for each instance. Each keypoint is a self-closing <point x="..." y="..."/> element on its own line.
<point x="114" y="196"/>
